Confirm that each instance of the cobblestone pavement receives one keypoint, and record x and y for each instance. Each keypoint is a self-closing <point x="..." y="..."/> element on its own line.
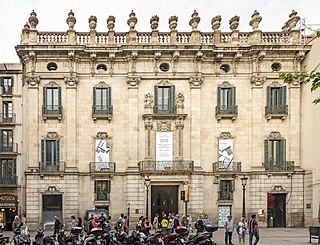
<point x="272" y="236"/>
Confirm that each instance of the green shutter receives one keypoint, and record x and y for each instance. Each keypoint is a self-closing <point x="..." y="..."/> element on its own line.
<point x="109" y="97"/>
<point x="282" y="150"/>
<point x="43" y="151"/>
<point x="283" y="94"/>
<point x="1" y="81"/>
<point x="59" y="94"/>
<point x="108" y="186"/>
<point x="232" y="97"/>
<point x="266" y="151"/>
<point x="221" y="186"/>
<point x="172" y="92"/>
<point x="155" y="108"/>
<point x="218" y="96"/>
<point x="1" y="138"/>
<point x="14" y="167"/>
<point x="269" y="100"/>
<point x="95" y="186"/>
<point x="44" y="97"/>
<point x="58" y="151"/>
<point x="232" y="185"/>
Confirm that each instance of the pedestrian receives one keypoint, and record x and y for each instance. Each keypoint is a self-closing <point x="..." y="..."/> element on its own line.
<point x="15" y="223"/>
<point x="23" y="227"/>
<point x="57" y="225"/>
<point x="164" y="221"/>
<point x="125" y="224"/>
<point x="189" y="222"/>
<point x="253" y="230"/>
<point x="183" y="221"/>
<point x="139" y="224"/>
<point x="176" y="221"/>
<point x="242" y="230"/>
<point x="155" y="223"/>
<point x="228" y="226"/>
<point x="73" y="221"/>
<point x="199" y="224"/>
<point x="79" y="223"/>
<point x="170" y="221"/>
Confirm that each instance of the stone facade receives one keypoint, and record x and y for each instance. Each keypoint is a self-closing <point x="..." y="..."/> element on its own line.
<point x="197" y="89"/>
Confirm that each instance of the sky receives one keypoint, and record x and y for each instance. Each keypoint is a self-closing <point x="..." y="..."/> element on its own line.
<point x="52" y="15"/>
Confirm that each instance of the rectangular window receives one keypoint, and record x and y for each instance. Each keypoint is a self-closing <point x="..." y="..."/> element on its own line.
<point x="276" y="100"/>
<point x="102" y="188"/>
<point x="6" y="140"/>
<point x="275" y="151"/>
<point x="226" y="189"/>
<point x="50" y="155"/>
<point x="52" y="100"/>
<point x="8" y="171"/>
<point x="6" y="84"/>
<point x="102" y="101"/>
<point x="226" y="98"/>
<point x="164" y="100"/>
<point x="7" y="115"/>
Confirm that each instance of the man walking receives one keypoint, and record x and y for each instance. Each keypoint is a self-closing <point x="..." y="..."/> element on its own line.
<point x="253" y="230"/>
<point x="228" y="226"/>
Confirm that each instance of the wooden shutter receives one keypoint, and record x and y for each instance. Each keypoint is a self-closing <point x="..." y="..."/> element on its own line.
<point x="172" y="92"/>
<point x="282" y="150"/>
<point x="43" y="151"/>
<point x="95" y="186"/>
<point x="44" y="98"/>
<point x="108" y="186"/>
<point x="1" y="81"/>
<point x="59" y="100"/>
<point x="218" y="95"/>
<point x="232" y="96"/>
<point x="58" y="151"/>
<point x="269" y="100"/>
<point x="232" y="186"/>
<point x="283" y="95"/>
<point x="155" y="108"/>
<point x="266" y="151"/>
<point x="109" y="98"/>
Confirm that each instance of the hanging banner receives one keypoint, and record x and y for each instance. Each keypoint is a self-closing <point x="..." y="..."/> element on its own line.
<point x="102" y="155"/>
<point x="225" y="154"/>
<point x="164" y="150"/>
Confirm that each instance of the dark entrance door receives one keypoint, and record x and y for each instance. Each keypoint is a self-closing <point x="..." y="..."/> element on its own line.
<point x="164" y="198"/>
<point x="276" y="210"/>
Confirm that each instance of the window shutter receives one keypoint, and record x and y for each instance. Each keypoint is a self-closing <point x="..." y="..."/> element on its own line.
<point x="172" y="106"/>
<point x="221" y="186"/>
<point x="269" y="99"/>
<point x="218" y="96"/>
<point x="155" y="108"/>
<point x="283" y="98"/>
<point x="58" y="151"/>
<point x="59" y="94"/>
<point x="232" y="97"/>
<point x="1" y="81"/>
<point x="95" y="186"/>
<point x="14" y="167"/>
<point x="109" y="97"/>
<point x="44" y="96"/>
<point x="108" y="186"/>
<point x="266" y="151"/>
<point x="232" y="185"/>
<point x="43" y="151"/>
<point x="282" y="152"/>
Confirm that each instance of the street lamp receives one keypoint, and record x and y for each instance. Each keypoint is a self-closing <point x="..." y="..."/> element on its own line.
<point x="244" y="183"/>
<point x="147" y="182"/>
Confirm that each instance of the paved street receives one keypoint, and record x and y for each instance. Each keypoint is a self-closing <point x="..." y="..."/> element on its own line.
<point x="273" y="236"/>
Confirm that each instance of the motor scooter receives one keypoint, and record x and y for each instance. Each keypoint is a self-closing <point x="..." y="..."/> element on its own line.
<point x="3" y="239"/>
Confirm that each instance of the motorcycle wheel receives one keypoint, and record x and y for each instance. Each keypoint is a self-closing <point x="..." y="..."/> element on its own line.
<point x="137" y="243"/>
<point x="92" y="242"/>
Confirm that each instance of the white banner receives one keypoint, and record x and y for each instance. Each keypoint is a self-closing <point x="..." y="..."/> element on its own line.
<point x="225" y="154"/>
<point x="102" y="155"/>
<point x="164" y="149"/>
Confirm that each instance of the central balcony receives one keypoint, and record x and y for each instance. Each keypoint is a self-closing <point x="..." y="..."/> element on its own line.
<point x="8" y="181"/>
<point x="102" y="112"/>
<point x="226" y="111"/>
<point x="223" y="167"/>
<point x="52" y="167"/>
<point x="283" y="166"/>
<point x="9" y="149"/>
<point x="166" y="167"/>
<point x="102" y="167"/>
<point x="52" y="112"/>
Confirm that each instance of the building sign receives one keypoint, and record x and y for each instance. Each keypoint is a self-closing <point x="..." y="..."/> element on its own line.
<point x="102" y="155"/>
<point x="225" y="154"/>
<point x="8" y="201"/>
<point x="164" y="150"/>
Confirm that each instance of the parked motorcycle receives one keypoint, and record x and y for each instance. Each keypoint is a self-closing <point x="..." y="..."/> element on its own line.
<point x="20" y="239"/>
<point x="3" y="239"/>
<point x="38" y="239"/>
<point x="74" y="238"/>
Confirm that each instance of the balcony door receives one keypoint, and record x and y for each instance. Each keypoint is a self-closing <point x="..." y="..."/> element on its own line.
<point x="164" y="198"/>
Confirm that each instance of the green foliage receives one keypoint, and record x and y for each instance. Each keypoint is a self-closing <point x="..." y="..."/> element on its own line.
<point x="304" y="78"/>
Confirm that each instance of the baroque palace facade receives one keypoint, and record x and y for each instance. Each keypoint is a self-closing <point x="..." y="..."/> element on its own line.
<point x="196" y="111"/>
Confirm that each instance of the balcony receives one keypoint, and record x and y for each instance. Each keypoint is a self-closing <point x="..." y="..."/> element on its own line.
<point x="102" y="112"/>
<point x="164" y="110"/>
<point x="225" y="196"/>
<point x="276" y="111"/>
<point x="52" y="166"/>
<point x="102" y="196"/>
<point x="102" y="167"/>
<point x="223" y="167"/>
<point x="6" y="91"/>
<point x="7" y="119"/>
<point x="52" y="112"/>
<point x="9" y="149"/>
<point x="285" y="166"/>
<point x="226" y="111"/>
<point x="166" y="167"/>
<point x="13" y="180"/>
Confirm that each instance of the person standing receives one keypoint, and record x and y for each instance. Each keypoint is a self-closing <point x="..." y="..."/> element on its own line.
<point x="253" y="230"/>
<point x="73" y="221"/>
<point x="125" y="224"/>
<point x="57" y="225"/>
<point x="199" y="225"/>
<point x="155" y="222"/>
<point x="15" y="223"/>
<point x="242" y="230"/>
<point x="23" y="227"/>
<point x="228" y="226"/>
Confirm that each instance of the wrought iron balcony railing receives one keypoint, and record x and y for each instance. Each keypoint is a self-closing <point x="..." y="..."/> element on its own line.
<point x="276" y="110"/>
<point x="223" y="167"/>
<point x="102" y="110"/>
<point x="283" y="166"/>
<point x="164" y="110"/>
<point x="176" y="166"/>
<point x="102" y="167"/>
<point x="52" y="166"/>
<point x="52" y="112"/>
<point x="9" y="180"/>
<point x="6" y="90"/>
<point x="226" y="110"/>
<point x="9" y="149"/>
<point x="225" y="195"/>
<point x="7" y="118"/>
<point x="102" y="196"/>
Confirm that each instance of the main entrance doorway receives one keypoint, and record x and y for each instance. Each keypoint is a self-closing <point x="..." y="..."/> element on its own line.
<point x="164" y="198"/>
<point x="276" y="210"/>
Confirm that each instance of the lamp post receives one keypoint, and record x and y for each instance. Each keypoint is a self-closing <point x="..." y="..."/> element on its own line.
<point x="128" y="218"/>
<point x="244" y="183"/>
<point x="147" y="182"/>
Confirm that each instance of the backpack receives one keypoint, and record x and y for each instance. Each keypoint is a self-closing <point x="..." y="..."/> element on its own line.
<point x="119" y="224"/>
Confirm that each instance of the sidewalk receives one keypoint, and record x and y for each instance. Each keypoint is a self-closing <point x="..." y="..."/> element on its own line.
<point x="272" y="236"/>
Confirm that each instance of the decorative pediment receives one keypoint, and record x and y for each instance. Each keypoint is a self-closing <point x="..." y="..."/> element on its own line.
<point x="278" y="188"/>
<point x="102" y="84"/>
<point x="102" y="135"/>
<point x="52" y="84"/>
<point x="275" y="136"/>
<point x="164" y="83"/>
<point x="52" y="188"/>
<point x="226" y="84"/>
<point x="225" y="135"/>
<point x="275" y="84"/>
<point x="52" y="135"/>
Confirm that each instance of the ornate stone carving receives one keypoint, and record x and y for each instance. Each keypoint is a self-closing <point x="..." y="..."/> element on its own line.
<point x="102" y="135"/>
<point x="148" y="100"/>
<point x="52" y="188"/>
<point x="196" y="81"/>
<point x="180" y="100"/>
<point x="275" y="136"/>
<point x="278" y="188"/>
<point x="52" y="84"/>
<point x="175" y="58"/>
<point x="33" y="20"/>
<point x="216" y="22"/>
<point x="154" y="22"/>
<point x="261" y="55"/>
<point x="156" y="59"/>
<point x="275" y="84"/>
<point x="26" y="28"/>
<point x="218" y="57"/>
<point x="93" y="59"/>
<point x="133" y="81"/>
<point x="112" y="58"/>
<point x="32" y="58"/>
<point x="257" y="80"/>
<point x="234" y="22"/>
<point x="237" y="57"/>
<point x="173" y="22"/>
<point x="32" y="80"/>
<point x="148" y="123"/>
<point x="179" y="122"/>
<point x="92" y="23"/>
<point x="225" y="135"/>
<point x="164" y="83"/>
<point x="292" y="22"/>
<point x="110" y="22"/>
<point x="132" y="21"/>
<point x="71" y="20"/>
<point x="256" y="19"/>
<point x="300" y="56"/>
<point x="134" y="56"/>
<point x="164" y="126"/>
<point x="102" y="84"/>
<point x="71" y="58"/>
<point x="226" y="84"/>
<point x="52" y="135"/>
<point x="72" y="80"/>
<point x="195" y="19"/>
